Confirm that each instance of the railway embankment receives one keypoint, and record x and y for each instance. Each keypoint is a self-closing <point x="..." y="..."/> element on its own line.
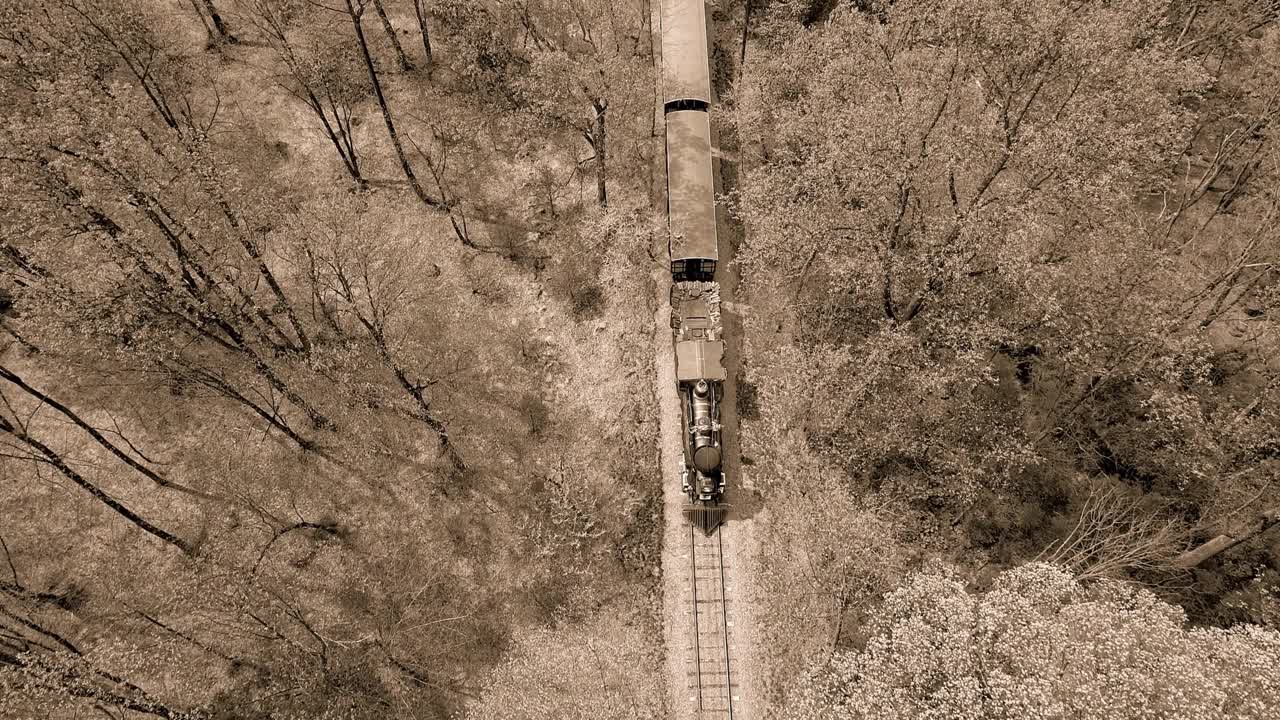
<point x="707" y="579"/>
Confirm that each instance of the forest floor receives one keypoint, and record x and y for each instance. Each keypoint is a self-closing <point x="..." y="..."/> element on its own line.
<point x="600" y="351"/>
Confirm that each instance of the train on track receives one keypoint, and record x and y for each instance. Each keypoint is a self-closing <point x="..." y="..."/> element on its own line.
<point x="691" y="219"/>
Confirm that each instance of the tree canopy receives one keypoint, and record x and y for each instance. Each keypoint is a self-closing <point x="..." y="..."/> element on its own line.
<point x="1010" y="271"/>
<point x="1040" y="645"/>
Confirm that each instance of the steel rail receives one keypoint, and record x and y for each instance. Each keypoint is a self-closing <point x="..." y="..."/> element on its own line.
<point x="697" y="637"/>
<point x="714" y="575"/>
<point x="724" y="617"/>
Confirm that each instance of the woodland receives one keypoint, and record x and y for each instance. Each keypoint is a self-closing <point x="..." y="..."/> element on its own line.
<point x="1012" y="355"/>
<point x="323" y="391"/>
<point x="325" y="369"/>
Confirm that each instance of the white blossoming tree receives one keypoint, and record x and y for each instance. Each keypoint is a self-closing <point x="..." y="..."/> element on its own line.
<point x="1040" y="645"/>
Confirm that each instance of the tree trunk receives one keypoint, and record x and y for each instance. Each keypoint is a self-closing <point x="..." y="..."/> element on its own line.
<point x="17" y="257"/>
<point x="1220" y="544"/>
<point x="599" y="143"/>
<point x="426" y="415"/>
<point x="163" y="482"/>
<point x="282" y="301"/>
<point x="218" y="25"/>
<point x="401" y="58"/>
<point x="55" y="460"/>
<point x="76" y="677"/>
<point x="271" y="417"/>
<point x="338" y="134"/>
<point x="194" y="641"/>
<point x="342" y="117"/>
<point x="421" y="11"/>
<point x="208" y="29"/>
<point x="386" y="111"/>
<point x="457" y="216"/>
<point x="414" y="390"/>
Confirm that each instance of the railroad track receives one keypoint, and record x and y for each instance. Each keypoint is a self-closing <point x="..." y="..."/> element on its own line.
<point x="711" y="680"/>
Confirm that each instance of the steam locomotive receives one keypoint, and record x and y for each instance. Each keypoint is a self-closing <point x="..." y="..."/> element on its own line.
<point x="691" y="219"/>
<point x="700" y="376"/>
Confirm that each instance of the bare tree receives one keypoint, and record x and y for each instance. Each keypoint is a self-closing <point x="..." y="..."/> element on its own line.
<point x="319" y="77"/>
<point x="217" y="32"/>
<point x="199" y="299"/>
<point x="42" y="453"/>
<point x="49" y="661"/>
<point x="349" y="274"/>
<point x="401" y="58"/>
<point x="101" y="439"/>
<point x="1113" y="537"/>
<point x="223" y="34"/>
<point x="355" y="10"/>
<point x="598" y="138"/>
<point x="420" y="10"/>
